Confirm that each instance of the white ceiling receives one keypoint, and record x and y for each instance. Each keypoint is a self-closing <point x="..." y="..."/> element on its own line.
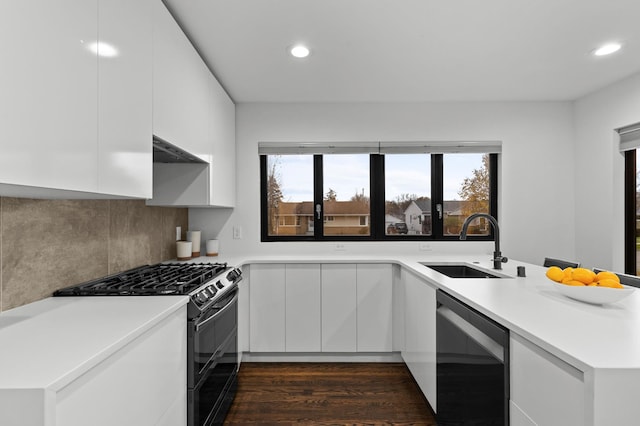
<point x="412" y="50"/>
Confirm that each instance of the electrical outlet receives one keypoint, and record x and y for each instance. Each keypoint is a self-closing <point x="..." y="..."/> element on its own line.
<point x="178" y="233"/>
<point x="425" y="247"/>
<point x="237" y="232"/>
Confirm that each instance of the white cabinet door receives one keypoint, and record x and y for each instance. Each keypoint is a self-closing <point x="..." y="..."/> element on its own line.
<point x="180" y="88"/>
<point x="303" y="325"/>
<point x="146" y="380"/>
<point x="124" y="98"/>
<point x="547" y="390"/>
<point x="374" y="307"/>
<point x="192" y="111"/>
<point x="517" y="417"/>
<point x="223" y="138"/>
<point x="267" y="308"/>
<point x="420" y="334"/>
<point x="49" y="87"/>
<point x="339" y="300"/>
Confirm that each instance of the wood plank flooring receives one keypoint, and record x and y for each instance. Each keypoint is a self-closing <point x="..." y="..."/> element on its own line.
<point x="328" y="394"/>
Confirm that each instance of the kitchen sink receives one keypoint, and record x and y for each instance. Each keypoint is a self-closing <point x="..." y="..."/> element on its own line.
<point x="460" y="271"/>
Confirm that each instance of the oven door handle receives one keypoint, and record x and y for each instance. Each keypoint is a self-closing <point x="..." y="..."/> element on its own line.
<point x="199" y="325"/>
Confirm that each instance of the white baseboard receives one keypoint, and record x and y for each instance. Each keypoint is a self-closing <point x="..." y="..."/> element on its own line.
<point x="321" y="357"/>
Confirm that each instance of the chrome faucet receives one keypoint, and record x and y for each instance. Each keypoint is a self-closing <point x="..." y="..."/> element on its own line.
<point x="498" y="259"/>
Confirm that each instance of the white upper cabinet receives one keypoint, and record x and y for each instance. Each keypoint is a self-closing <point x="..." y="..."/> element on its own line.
<point x="124" y="98"/>
<point x="181" y="88"/>
<point x="70" y="119"/>
<point x="49" y="87"/>
<point x="191" y="110"/>
<point x="223" y="159"/>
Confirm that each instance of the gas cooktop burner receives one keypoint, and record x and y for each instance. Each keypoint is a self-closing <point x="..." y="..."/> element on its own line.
<point x="150" y="280"/>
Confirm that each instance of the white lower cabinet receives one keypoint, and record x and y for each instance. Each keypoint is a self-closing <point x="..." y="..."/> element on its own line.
<point x="267" y="308"/>
<point x="157" y="361"/>
<point x="302" y="305"/>
<point x="313" y="308"/>
<point x="544" y="389"/>
<point x="375" y="308"/>
<point x="339" y="300"/>
<point x="419" y="351"/>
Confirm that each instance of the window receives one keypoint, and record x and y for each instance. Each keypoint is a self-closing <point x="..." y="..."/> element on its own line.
<point x="376" y="195"/>
<point x="632" y="213"/>
<point x="466" y="191"/>
<point x="407" y="190"/>
<point x="346" y="194"/>
<point x="630" y="145"/>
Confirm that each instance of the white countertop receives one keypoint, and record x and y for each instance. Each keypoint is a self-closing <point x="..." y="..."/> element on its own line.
<point x="584" y="335"/>
<point x="49" y="343"/>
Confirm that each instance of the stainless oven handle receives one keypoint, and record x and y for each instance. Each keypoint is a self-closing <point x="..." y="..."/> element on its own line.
<point x="220" y="312"/>
<point x="473" y="332"/>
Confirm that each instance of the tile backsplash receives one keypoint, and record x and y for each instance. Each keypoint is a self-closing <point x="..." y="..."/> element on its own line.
<point x="50" y="244"/>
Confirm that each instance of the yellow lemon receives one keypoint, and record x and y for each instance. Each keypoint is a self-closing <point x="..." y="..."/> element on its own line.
<point x="555" y="274"/>
<point x="574" y="282"/>
<point x="606" y="282"/>
<point x="568" y="272"/>
<point x="585" y="276"/>
<point x="606" y="275"/>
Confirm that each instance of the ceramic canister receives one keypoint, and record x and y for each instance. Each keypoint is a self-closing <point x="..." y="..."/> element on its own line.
<point x="194" y="237"/>
<point x="184" y="250"/>
<point x="212" y="247"/>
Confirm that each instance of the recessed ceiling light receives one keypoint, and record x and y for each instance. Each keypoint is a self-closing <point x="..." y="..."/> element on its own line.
<point x="607" y="49"/>
<point x="299" y="51"/>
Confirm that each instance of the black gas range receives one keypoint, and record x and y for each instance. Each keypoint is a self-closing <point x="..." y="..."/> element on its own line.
<point x="203" y="282"/>
<point x="212" y="321"/>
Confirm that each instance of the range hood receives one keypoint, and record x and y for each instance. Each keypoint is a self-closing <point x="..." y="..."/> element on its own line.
<point x="165" y="152"/>
<point x="180" y="179"/>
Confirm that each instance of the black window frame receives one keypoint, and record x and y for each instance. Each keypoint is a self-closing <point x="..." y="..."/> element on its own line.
<point x="377" y="204"/>
<point x="630" y="232"/>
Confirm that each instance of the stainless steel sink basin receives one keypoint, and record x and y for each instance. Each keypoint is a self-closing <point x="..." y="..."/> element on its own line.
<point x="460" y="271"/>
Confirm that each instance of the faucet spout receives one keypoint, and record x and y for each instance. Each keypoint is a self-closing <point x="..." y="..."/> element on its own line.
<point x="498" y="259"/>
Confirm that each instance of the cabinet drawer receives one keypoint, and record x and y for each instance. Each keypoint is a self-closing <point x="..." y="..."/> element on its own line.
<point x="547" y="389"/>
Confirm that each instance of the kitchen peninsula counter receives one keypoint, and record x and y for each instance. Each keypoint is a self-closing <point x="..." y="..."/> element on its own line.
<point x="601" y="342"/>
<point x="49" y="346"/>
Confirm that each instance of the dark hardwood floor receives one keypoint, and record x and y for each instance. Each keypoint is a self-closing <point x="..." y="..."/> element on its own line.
<point x="328" y="394"/>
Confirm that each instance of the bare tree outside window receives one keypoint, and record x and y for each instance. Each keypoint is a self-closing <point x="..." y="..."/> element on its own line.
<point x="274" y="194"/>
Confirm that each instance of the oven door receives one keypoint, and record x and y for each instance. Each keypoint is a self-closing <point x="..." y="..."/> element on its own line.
<point x="207" y="335"/>
<point x="210" y="400"/>
<point x="212" y="357"/>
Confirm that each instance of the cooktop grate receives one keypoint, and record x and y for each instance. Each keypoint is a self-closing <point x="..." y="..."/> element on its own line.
<point x="159" y="279"/>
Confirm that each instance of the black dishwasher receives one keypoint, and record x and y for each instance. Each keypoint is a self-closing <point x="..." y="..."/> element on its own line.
<point x="472" y="366"/>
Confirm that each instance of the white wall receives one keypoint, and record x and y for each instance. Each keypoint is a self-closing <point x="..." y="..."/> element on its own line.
<point x="600" y="172"/>
<point x="536" y="179"/>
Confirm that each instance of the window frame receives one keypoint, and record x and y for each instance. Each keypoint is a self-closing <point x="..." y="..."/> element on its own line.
<point x="377" y="204"/>
<point x="630" y="250"/>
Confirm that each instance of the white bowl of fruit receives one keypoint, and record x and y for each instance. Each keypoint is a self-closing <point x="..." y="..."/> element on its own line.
<point x="586" y="286"/>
